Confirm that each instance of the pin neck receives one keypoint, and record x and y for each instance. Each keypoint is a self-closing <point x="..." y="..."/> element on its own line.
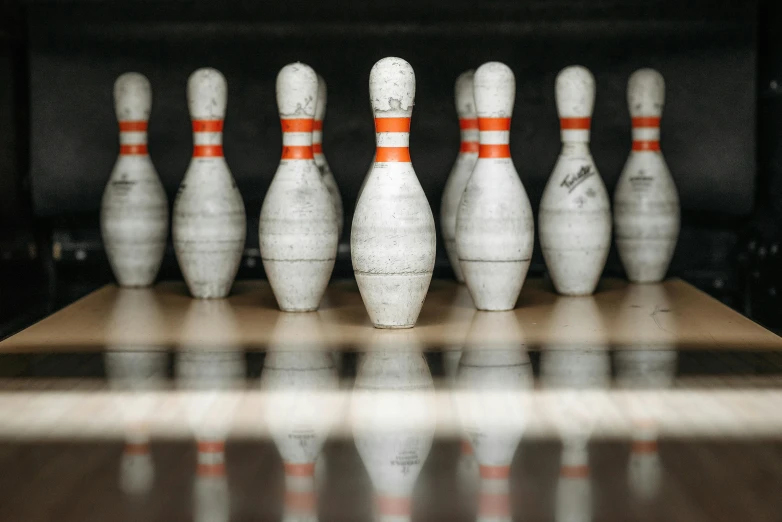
<point x="469" y="135"/>
<point x="494" y="138"/>
<point x="646" y="133"/>
<point x="393" y="140"/>
<point x="297" y="138"/>
<point x="207" y="138"/>
<point x="133" y="138"/>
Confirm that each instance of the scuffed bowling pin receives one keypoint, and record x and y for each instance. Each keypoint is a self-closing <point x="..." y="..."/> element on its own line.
<point x="392" y="240"/>
<point x="462" y="169"/>
<point x="298" y="226"/>
<point x="209" y="225"/>
<point x="320" y="159"/>
<point x="494" y="226"/>
<point x="134" y="209"/>
<point x="575" y="215"/>
<point x="646" y="203"/>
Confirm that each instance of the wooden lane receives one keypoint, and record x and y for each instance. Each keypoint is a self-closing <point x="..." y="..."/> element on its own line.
<point x="669" y="315"/>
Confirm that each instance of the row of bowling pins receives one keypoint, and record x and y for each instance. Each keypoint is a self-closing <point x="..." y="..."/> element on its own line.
<point x="301" y="218"/>
<point x="393" y="417"/>
<point x="393" y="233"/>
<point x="486" y="215"/>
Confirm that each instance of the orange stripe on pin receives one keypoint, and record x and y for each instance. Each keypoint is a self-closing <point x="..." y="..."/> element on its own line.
<point x="133" y="126"/>
<point x="317" y="148"/>
<point x="469" y="146"/>
<point x="133" y="150"/>
<point x="393" y="154"/>
<point x="207" y="151"/>
<point x="575" y="123"/>
<point x="468" y="123"/>
<point x="392" y="124"/>
<point x="317" y="125"/>
<point x="207" y="125"/>
<point x="494" y="124"/>
<point x="297" y="152"/>
<point x="646" y="121"/>
<point x="297" y="125"/>
<point x="494" y="151"/>
<point x="640" y="146"/>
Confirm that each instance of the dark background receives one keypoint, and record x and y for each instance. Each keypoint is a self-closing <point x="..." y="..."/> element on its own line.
<point x="58" y="132"/>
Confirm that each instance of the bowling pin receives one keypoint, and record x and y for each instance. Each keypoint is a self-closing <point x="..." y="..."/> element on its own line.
<point x="392" y="240"/>
<point x="494" y="226"/>
<point x="134" y="209"/>
<point x="298" y="226"/>
<point x="646" y="203"/>
<point x="320" y="159"/>
<point x="575" y="214"/>
<point x="462" y="169"/>
<point x="209" y="225"/>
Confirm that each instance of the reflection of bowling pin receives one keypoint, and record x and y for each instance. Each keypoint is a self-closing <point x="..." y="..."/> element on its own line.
<point x="494" y="226"/>
<point x="209" y="224"/>
<point x="134" y="209"/>
<point x="137" y="375"/>
<point x="210" y="377"/>
<point x="575" y="215"/>
<point x="136" y="372"/>
<point x="462" y="168"/>
<point x="320" y="159"/>
<point x="494" y="500"/>
<point x="646" y="203"/>
<point x="573" y="498"/>
<point x="300" y="382"/>
<point x="394" y="418"/>
<point x="393" y="236"/>
<point x="298" y="225"/>
<point x="647" y="370"/>
<point x="492" y="382"/>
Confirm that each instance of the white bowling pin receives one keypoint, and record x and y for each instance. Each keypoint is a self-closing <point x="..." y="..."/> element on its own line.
<point x="392" y="240"/>
<point x="646" y="203"/>
<point x="462" y="169"/>
<point x="393" y="417"/>
<point x="298" y="226"/>
<point x="134" y="209"/>
<point x="320" y="159"/>
<point x="575" y="214"/>
<point x="209" y="225"/>
<point x="495" y="232"/>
